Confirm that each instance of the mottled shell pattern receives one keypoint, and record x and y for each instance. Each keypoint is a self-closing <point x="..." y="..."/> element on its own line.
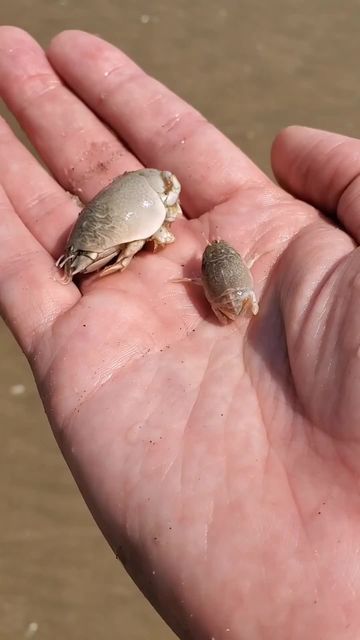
<point x="227" y="281"/>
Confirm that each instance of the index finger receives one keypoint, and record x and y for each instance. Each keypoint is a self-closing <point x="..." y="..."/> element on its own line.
<point x="160" y="128"/>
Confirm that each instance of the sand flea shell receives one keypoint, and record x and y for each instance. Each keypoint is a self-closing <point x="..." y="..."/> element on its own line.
<point x="137" y="207"/>
<point x="227" y="282"/>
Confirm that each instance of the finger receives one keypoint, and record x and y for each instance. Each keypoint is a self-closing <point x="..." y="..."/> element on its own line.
<point x="44" y="207"/>
<point x="31" y="297"/>
<point x="81" y="152"/>
<point x="161" y="129"/>
<point x="322" y="168"/>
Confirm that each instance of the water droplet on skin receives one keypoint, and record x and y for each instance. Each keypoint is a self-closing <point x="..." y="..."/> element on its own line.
<point x="144" y="19"/>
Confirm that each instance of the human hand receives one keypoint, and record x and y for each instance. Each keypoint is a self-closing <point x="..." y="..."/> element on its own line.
<point x="221" y="463"/>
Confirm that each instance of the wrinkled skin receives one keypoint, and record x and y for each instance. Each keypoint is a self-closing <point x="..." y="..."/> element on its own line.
<point x="221" y="463"/>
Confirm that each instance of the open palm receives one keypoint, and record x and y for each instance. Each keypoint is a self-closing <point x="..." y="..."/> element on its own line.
<point x="221" y="463"/>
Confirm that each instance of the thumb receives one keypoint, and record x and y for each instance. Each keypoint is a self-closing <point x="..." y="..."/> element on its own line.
<point x="323" y="169"/>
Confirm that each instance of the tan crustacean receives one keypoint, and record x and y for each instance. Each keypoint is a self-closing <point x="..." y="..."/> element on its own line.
<point x="227" y="282"/>
<point x="137" y="207"/>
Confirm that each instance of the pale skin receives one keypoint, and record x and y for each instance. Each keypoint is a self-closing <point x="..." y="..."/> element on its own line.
<point x="222" y="463"/>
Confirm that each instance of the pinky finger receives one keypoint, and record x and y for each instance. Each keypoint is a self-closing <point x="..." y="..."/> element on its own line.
<point x="31" y="294"/>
